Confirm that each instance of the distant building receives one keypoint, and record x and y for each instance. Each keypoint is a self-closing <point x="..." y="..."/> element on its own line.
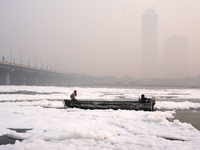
<point x="149" y="44"/>
<point x="176" y="56"/>
<point x="141" y="82"/>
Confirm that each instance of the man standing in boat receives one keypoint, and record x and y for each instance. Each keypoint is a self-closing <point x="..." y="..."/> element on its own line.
<point x="73" y="96"/>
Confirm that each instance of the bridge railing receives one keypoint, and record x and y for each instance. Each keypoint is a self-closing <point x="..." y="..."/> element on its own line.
<point x="10" y="65"/>
<point x="19" y="74"/>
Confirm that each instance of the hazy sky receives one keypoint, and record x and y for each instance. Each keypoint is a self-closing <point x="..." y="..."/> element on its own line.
<point x="94" y="37"/>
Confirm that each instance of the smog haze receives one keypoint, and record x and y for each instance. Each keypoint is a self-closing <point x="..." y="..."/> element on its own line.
<point x="94" y="37"/>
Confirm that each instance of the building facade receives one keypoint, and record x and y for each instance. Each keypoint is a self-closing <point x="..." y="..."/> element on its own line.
<point x="149" y="44"/>
<point x="176" y="56"/>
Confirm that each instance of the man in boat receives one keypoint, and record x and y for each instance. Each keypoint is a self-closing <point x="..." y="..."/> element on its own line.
<point x="143" y="99"/>
<point x="73" y="96"/>
<point x="147" y="100"/>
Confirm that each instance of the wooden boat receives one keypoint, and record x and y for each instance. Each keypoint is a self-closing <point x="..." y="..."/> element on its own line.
<point x="128" y="105"/>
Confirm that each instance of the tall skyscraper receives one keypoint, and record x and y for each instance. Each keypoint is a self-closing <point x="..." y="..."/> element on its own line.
<point x="149" y="44"/>
<point x="176" y="56"/>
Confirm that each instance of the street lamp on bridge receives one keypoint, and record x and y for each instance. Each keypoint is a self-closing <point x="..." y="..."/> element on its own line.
<point x="41" y="67"/>
<point x="35" y="63"/>
<point x="10" y="56"/>
<point x="20" y="58"/>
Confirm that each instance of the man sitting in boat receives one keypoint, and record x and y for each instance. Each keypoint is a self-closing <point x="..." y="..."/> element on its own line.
<point x="73" y="96"/>
<point x="143" y="99"/>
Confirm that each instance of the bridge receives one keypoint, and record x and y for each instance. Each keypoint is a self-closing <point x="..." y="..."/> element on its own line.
<point x="19" y="74"/>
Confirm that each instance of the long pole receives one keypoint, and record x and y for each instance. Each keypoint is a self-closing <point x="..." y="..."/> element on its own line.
<point x="20" y="58"/>
<point x="46" y="64"/>
<point x="41" y="67"/>
<point x="10" y="56"/>
<point x="35" y="62"/>
<point x="28" y="61"/>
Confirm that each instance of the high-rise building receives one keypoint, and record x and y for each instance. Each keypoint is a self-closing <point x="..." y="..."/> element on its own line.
<point x="149" y="44"/>
<point x="176" y="56"/>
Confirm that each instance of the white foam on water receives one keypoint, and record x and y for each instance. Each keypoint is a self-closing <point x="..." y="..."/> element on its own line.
<point x="72" y="128"/>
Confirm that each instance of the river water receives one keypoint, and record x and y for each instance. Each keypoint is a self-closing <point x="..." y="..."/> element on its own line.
<point x="34" y="117"/>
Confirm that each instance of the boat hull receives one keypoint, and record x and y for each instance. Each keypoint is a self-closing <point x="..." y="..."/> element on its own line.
<point x="127" y="105"/>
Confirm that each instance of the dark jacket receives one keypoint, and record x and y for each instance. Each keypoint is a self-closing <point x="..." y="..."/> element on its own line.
<point x="144" y="100"/>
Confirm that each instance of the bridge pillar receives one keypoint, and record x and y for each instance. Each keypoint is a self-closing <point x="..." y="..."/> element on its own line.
<point x="42" y="79"/>
<point x="60" y="81"/>
<point x="64" y="80"/>
<point x="17" y="77"/>
<point x="51" y="79"/>
<point x="4" y="77"/>
<point x="31" y="78"/>
<point x="71" y="80"/>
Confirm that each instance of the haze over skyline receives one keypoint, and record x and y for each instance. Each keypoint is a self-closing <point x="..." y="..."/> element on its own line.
<point x="100" y="38"/>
